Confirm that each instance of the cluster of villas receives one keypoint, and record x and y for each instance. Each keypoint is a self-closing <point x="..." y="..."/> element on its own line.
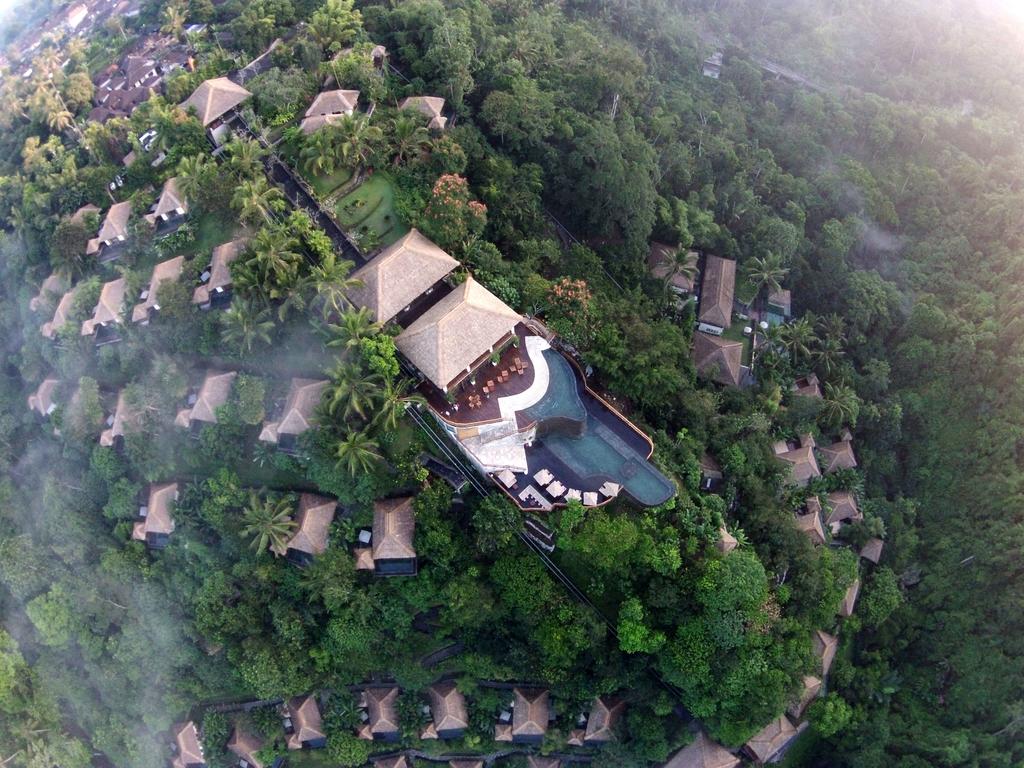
<point x="722" y="351"/>
<point x="820" y="518"/>
<point x="523" y="721"/>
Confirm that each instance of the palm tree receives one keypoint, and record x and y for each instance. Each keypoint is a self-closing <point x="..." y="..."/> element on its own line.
<point x="766" y="273"/>
<point x="255" y="199"/>
<point x="797" y="338"/>
<point x="408" y="138"/>
<point x="245" y="325"/>
<point x="60" y="120"/>
<point x="357" y="452"/>
<point x="333" y="282"/>
<point x="246" y="157"/>
<point x="356" y="139"/>
<point x="174" y="21"/>
<point x="319" y="155"/>
<point x="294" y="295"/>
<point x="192" y="173"/>
<point x="840" y="406"/>
<point x="394" y="401"/>
<point x="276" y="255"/>
<point x="351" y="392"/>
<point x="828" y="354"/>
<point x="355" y="325"/>
<point x="833" y="327"/>
<point x="269" y="523"/>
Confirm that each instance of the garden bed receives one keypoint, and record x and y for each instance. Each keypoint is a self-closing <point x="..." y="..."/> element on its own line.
<point x="370" y="210"/>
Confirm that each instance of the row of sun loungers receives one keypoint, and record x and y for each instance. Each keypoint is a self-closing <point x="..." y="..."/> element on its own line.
<point x="555" y="489"/>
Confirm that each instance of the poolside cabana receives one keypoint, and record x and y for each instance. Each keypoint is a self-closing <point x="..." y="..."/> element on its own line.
<point x="544" y="476"/>
<point x="507" y="478"/>
<point x="590" y="499"/>
<point x="573" y="495"/>
<point x="610" y="489"/>
<point x="556" y="489"/>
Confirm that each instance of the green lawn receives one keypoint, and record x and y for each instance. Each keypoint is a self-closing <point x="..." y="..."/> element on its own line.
<point x="370" y="208"/>
<point x="212" y="231"/>
<point x="735" y="333"/>
<point x="325" y="184"/>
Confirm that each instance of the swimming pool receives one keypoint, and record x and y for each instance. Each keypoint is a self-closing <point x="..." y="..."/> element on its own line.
<point x="602" y="446"/>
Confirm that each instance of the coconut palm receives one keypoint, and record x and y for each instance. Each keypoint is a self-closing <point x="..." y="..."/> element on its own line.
<point x="408" y="138"/>
<point x="356" y="138"/>
<point x="246" y="156"/>
<point x="839" y="407"/>
<point x="766" y="273"/>
<point x="333" y="282"/>
<point x="394" y="400"/>
<point x="351" y="392"/>
<point x="192" y="174"/>
<point x="354" y="326"/>
<point x="319" y="155"/>
<point x="829" y="354"/>
<point x="255" y="199"/>
<point x="174" y="21"/>
<point x="833" y="326"/>
<point x="245" y="325"/>
<point x="60" y="120"/>
<point x="294" y="296"/>
<point x="798" y="338"/>
<point x="268" y="523"/>
<point x="357" y="452"/>
<point x="276" y="255"/>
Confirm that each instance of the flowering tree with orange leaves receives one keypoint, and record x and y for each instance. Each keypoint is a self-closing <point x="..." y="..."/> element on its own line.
<point x="571" y="310"/>
<point x="452" y="218"/>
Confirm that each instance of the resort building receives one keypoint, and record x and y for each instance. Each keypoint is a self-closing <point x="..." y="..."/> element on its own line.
<point x="188" y="750"/>
<point x="702" y="752"/>
<point x="303" y="726"/>
<point x="328" y="107"/>
<point x="390" y="551"/>
<point x="313" y="523"/>
<point x="719" y="359"/>
<point x="850" y="599"/>
<point x="43" y="400"/>
<point x="60" y="315"/>
<point x="449" y="718"/>
<point x="807" y="386"/>
<point x="203" y="404"/>
<point x="767" y="745"/>
<point x="113" y="231"/>
<point x="712" y="66"/>
<point x="809" y="692"/>
<point x="528" y="720"/>
<point x="458" y="334"/>
<point x="718" y="285"/>
<point x="799" y="456"/>
<point x="245" y="746"/>
<point x="165" y="272"/>
<point x="711" y="476"/>
<point x="809" y="521"/>
<point x="411" y="268"/>
<point x="663" y="264"/>
<point x="212" y="100"/>
<point x="170" y="208"/>
<point x="108" y="314"/>
<point x="605" y="714"/>
<point x="872" y="550"/>
<point x="156" y="522"/>
<point x="297" y="415"/>
<point x="839" y="455"/>
<point x="380" y="705"/>
<point x="214" y="289"/>
<point x="122" y="416"/>
<point x="53" y="286"/>
<point x="726" y="541"/>
<point x="431" y="107"/>
<point x="825" y="646"/>
<point x="842" y="509"/>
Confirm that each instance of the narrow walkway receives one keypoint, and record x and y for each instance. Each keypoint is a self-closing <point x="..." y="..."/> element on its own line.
<point x="508" y="406"/>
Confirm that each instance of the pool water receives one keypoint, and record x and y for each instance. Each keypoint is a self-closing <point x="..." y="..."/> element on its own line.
<point x="596" y="451"/>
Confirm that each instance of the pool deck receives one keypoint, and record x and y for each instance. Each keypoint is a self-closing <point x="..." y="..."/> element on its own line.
<point x="503" y="433"/>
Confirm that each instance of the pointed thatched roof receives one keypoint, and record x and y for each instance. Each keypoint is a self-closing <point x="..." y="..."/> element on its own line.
<point x="716" y="291"/>
<point x="850" y="599"/>
<point x="718" y="358"/>
<point x="872" y="551"/>
<point x="531" y="712"/>
<point x="313" y="522"/>
<point x="189" y="749"/>
<point x="159" y="507"/>
<point x="837" y="456"/>
<point x="843" y="507"/>
<point x="772" y="738"/>
<point x="702" y="752"/>
<point x="109" y="308"/>
<point x="166" y="271"/>
<point x="42" y="400"/>
<point x="123" y="414"/>
<point x="60" y="315"/>
<point x="215" y="97"/>
<point x="447" y="707"/>
<point x="212" y="395"/>
<point x="394" y="523"/>
<point x="811" y="689"/>
<point x="605" y="713"/>
<point x="299" y="409"/>
<point x="220" y="270"/>
<point x="430" y="107"/>
<point x="810" y="522"/>
<point x="245" y="746"/>
<point x="802" y="461"/>
<point x="825" y="646"/>
<point x="306" y="721"/>
<point x="399" y="274"/>
<point x="807" y="386"/>
<point x="382" y="709"/>
<point x="726" y="541"/>
<point x="171" y="199"/>
<point x="115" y="224"/>
<point x="456" y="332"/>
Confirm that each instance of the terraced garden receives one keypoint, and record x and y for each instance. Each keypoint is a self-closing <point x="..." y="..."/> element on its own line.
<point x="368" y="211"/>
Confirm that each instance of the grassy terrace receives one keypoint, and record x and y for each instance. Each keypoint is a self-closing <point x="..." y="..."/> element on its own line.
<point x="370" y="210"/>
<point x="735" y="333"/>
<point x="325" y="184"/>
